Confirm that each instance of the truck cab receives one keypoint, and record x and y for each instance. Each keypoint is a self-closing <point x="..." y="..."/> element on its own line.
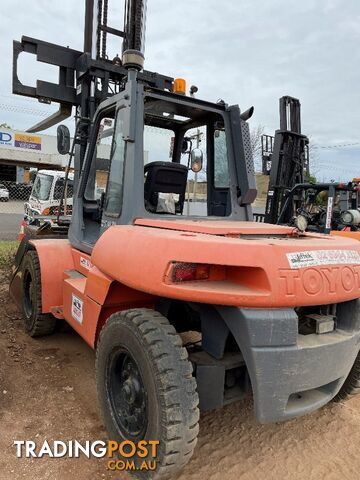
<point x="46" y="194"/>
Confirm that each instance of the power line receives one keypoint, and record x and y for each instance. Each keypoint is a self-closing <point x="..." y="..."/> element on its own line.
<point x="340" y="145"/>
<point x="17" y="97"/>
<point x="23" y="109"/>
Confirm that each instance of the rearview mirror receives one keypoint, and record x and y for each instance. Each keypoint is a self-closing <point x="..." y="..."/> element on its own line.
<point x="63" y="140"/>
<point x="196" y="160"/>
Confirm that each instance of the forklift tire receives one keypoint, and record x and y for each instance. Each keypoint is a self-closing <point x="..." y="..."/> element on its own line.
<point x="146" y="389"/>
<point x="351" y="385"/>
<point x="36" y="323"/>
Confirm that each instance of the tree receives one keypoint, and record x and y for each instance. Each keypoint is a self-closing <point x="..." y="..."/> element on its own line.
<point x="5" y="125"/>
<point x="314" y="157"/>
<point x="255" y="141"/>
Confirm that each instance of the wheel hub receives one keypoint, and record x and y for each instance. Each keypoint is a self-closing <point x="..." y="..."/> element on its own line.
<point x="131" y="390"/>
<point x="128" y="396"/>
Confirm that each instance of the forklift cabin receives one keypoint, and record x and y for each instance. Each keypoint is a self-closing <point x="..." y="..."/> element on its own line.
<point x="142" y="124"/>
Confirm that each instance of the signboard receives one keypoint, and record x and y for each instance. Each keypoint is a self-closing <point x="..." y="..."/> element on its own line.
<point x="11" y="139"/>
<point x="6" y="138"/>
<point x="24" y="140"/>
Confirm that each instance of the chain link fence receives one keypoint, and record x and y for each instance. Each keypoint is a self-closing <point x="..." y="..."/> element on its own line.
<point x="12" y="198"/>
<point x="13" y="195"/>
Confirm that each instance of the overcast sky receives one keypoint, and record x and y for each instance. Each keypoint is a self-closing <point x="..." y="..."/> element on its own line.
<point x="249" y="52"/>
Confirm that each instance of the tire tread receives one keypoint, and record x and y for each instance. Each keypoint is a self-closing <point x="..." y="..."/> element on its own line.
<point x="177" y="387"/>
<point x="43" y="323"/>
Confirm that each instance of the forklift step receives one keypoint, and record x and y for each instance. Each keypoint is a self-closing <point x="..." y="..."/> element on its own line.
<point x="73" y="274"/>
<point x="229" y="360"/>
<point x="75" y="281"/>
<point x="219" y="382"/>
<point x="58" y="313"/>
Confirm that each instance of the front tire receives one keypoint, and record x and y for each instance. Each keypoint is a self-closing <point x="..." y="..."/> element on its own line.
<point x="146" y="389"/>
<point x="36" y="323"/>
<point x="351" y="385"/>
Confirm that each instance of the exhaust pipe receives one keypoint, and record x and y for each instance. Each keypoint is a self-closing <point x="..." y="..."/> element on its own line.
<point x="247" y="114"/>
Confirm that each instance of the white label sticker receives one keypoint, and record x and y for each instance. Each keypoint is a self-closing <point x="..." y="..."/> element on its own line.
<point x="84" y="262"/>
<point x="314" y="258"/>
<point x="329" y="212"/>
<point x="77" y="309"/>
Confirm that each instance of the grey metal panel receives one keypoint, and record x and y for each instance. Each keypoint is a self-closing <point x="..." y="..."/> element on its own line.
<point x="210" y="386"/>
<point x="292" y="379"/>
<point x="245" y="179"/>
<point x="249" y="159"/>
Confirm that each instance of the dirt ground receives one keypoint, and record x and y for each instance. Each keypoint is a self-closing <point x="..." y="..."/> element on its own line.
<point x="47" y="391"/>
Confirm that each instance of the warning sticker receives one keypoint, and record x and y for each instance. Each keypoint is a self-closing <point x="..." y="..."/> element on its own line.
<point x="315" y="258"/>
<point x="77" y="308"/>
<point x="84" y="262"/>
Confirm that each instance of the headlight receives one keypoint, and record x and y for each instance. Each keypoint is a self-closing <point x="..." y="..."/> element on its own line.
<point x="301" y="223"/>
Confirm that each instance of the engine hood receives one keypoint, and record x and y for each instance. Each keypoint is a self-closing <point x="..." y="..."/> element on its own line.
<point x="217" y="227"/>
<point x="254" y="265"/>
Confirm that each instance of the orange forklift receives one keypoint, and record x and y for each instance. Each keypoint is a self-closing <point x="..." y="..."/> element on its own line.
<point x="189" y="305"/>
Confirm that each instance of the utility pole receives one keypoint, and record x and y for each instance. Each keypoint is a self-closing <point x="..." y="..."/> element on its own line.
<point x="197" y="136"/>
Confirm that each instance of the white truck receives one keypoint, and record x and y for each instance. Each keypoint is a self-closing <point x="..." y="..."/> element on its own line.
<point x="46" y="193"/>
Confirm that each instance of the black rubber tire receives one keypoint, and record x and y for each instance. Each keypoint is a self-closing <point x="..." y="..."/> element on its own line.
<point x="36" y="323"/>
<point x="166" y="373"/>
<point x="351" y="385"/>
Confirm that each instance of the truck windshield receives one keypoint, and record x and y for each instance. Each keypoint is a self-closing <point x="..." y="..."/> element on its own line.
<point x="42" y="186"/>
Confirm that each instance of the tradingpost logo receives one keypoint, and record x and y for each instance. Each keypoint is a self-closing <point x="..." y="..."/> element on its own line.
<point x="121" y="456"/>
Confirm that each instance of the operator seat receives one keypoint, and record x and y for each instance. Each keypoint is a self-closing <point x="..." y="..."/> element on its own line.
<point x="165" y="177"/>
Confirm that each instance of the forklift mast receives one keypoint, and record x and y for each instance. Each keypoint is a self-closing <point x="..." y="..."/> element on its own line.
<point x="86" y="78"/>
<point x="288" y="156"/>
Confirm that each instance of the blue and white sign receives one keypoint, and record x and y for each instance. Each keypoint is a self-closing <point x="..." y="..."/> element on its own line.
<point x="6" y="138"/>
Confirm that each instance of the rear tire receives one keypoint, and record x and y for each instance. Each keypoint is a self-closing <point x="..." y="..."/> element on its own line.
<point x="36" y="323"/>
<point x="146" y="389"/>
<point x="351" y="385"/>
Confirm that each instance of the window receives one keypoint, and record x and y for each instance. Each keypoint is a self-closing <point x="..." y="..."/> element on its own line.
<point x="42" y="186"/>
<point x="197" y="186"/>
<point x="59" y="185"/>
<point x="158" y="144"/>
<point x="100" y="165"/>
<point x="221" y="166"/>
<point x="165" y="182"/>
<point x="173" y="135"/>
<point x="116" y="180"/>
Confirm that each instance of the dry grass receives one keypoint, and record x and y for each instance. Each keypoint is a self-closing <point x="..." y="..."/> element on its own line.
<point x="7" y="253"/>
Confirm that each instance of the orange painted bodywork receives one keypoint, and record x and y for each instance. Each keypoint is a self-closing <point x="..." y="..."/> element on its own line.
<point x="354" y="235"/>
<point x="55" y="256"/>
<point x="131" y="266"/>
<point x="65" y="272"/>
<point x="256" y="271"/>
